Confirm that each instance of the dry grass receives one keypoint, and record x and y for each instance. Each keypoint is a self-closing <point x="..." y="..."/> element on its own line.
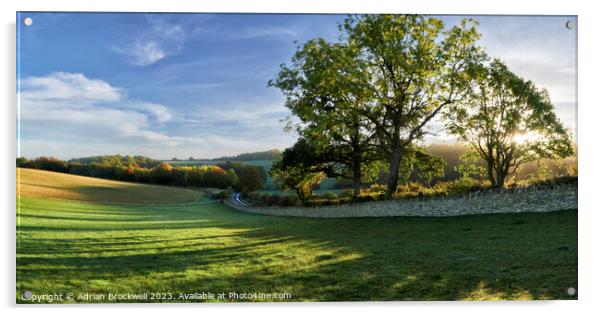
<point x="54" y="185"/>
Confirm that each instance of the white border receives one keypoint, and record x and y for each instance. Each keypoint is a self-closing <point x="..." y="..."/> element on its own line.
<point x="589" y="144"/>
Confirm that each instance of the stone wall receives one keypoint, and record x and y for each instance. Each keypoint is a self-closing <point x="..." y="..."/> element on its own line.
<point x="559" y="197"/>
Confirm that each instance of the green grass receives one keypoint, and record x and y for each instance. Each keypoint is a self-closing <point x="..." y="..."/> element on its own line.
<point x="75" y="247"/>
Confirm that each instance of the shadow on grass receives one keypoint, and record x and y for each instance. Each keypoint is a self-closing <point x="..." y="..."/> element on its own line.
<point x="503" y="256"/>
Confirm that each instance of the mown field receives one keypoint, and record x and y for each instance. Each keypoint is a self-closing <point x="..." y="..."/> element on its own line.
<point x="54" y="185"/>
<point x="65" y="244"/>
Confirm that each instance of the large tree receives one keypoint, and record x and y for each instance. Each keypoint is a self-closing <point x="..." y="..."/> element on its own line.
<point x="388" y="77"/>
<point x="508" y="122"/>
<point x="326" y="88"/>
<point x="416" y="68"/>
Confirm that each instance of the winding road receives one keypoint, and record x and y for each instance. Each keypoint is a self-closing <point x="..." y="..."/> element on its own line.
<point x="237" y="200"/>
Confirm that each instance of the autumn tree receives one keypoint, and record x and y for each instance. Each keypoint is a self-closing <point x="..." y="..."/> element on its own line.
<point x="508" y="122"/>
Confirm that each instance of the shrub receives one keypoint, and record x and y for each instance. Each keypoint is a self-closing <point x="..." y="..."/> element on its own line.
<point x="322" y="202"/>
<point x="462" y="186"/>
<point x="221" y="195"/>
<point x="273" y="200"/>
<point x="329" y="196"/>
<point x="378" y="188"/>
<point x="346" y="193"/>
<point x="288" y="200"/>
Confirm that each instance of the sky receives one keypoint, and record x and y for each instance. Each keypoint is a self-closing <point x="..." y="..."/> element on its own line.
<point x="181" y="85"/>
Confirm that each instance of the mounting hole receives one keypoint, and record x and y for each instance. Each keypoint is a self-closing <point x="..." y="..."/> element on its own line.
<point x="571" y="291"/>
<point x="27" y="21"/>
<point x="27" y="295"/>
<point x="570" y="25"/>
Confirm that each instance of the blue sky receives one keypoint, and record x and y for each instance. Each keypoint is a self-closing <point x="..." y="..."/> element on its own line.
<point x="180" y="85"/>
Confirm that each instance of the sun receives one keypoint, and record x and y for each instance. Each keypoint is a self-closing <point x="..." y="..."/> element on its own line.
<point x="526" y="138"/>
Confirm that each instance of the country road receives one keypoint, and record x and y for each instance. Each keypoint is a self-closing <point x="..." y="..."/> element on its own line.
<point x="237" y="200"/>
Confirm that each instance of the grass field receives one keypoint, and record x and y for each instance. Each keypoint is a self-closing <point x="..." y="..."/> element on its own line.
<point x="54" y="185"/>
<point x="69" y="246"/>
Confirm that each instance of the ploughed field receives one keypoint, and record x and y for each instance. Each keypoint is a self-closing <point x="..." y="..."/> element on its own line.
<point x="69" y="240"/>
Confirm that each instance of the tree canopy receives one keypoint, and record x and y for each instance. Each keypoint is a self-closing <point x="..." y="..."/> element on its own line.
<point x="508" y="122"/>
<point x="371" y="95"/>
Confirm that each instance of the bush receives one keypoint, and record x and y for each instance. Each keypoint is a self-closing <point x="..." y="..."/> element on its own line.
<point x="273" y="200"/>
<point x="346" y="193"/>
<point x="329" y="196"/>
<point x="288" y="200"/>
<point x="221" y="195"/>
<point x="462" y="186"/>
<point x="378" y="188"/>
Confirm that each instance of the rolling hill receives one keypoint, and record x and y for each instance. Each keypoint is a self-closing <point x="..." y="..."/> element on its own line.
<point x="54" y="185"/>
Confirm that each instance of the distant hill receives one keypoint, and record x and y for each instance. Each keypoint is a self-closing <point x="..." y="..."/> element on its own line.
<point x="272" y="154"/>
<point x="119" y="160"/>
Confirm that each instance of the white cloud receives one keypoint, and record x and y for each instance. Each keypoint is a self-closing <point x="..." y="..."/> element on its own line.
<point x="69" y="115"/>
<point x="68" y="86"/>
<point x="72" y="105"/>
<point x="271" y="31"/>
<point x="252" y="115"/>
<point x="160" y="40"/>
<point x="160" y="112"/>
<point x="143" y="53"/>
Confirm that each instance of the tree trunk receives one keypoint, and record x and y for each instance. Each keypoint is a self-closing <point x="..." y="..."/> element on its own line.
<point x="491" y="173"/>
<point x="393" y="171"/>
<point x="501" y="179"/>
<point x="357" y="170"/>
<point x="302" y="196"/>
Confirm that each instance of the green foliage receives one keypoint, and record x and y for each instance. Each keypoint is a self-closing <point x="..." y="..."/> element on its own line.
<point x="307" y="184"/>
<point x="249" y="178"/>
<point x="301" y="169"/>
<point x="267" y="199"/>
<point x="22" y="161"/>
<point x="329" y="196"/>
<point x="508" y="121"/>
<point x="221" y="195"/>
<point x="325" y="87"/>
<point x="119" y="160"/>
<point x="416" y="68"/>
<point x="46" y="163"/>
<point x="543" y="173"/>
<point x="470" y="166"/>
<point x="463" y="186"/>
<point x="369" y="96"/>
<point x="162" y="174"/>
<point x="272" y="154"/>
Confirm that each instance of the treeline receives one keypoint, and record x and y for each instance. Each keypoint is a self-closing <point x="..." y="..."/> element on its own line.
<point x="119" y="160"/>
<point x="272" y="154"/>
<point x="236" y="176"/>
